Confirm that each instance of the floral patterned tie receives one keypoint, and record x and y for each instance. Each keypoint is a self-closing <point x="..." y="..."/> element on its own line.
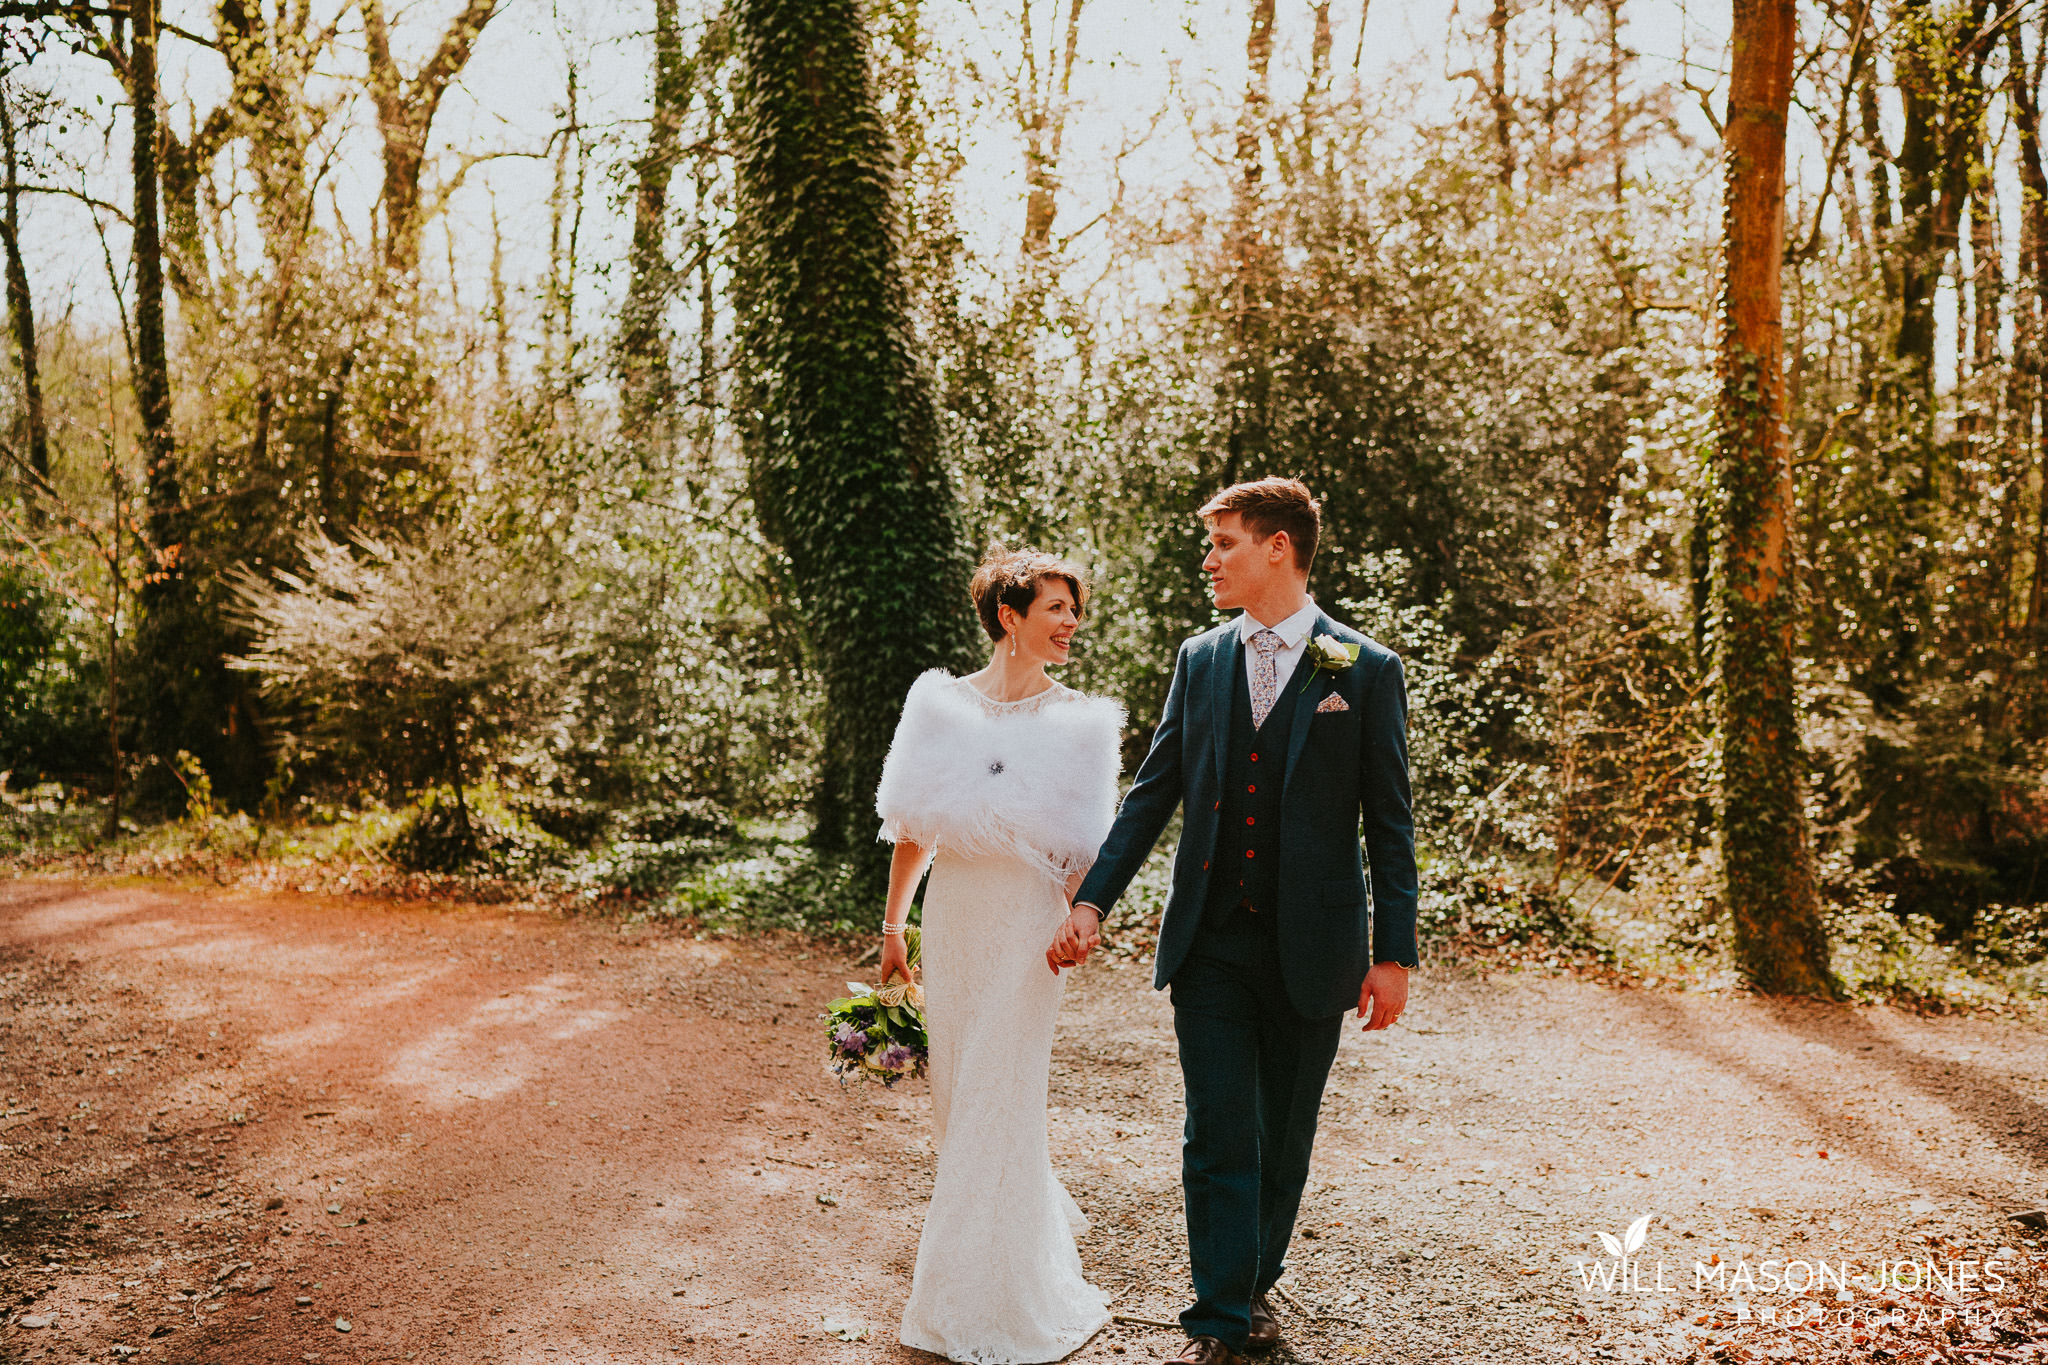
<point x="1265" y="675"/>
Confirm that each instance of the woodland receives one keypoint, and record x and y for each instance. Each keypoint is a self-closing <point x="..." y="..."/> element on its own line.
<point x="1680" y="419"/>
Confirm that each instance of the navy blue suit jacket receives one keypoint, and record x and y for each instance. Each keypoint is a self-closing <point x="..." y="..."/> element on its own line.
<point x="1347" y="770"/>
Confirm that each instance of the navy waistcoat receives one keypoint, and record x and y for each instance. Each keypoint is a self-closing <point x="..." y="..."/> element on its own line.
<point x="1246" y="867"/>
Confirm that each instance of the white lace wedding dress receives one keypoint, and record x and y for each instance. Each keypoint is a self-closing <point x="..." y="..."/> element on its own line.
<point x="1007" y="794"/>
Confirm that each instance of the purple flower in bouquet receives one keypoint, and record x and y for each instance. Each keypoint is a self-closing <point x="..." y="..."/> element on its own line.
<point x="894" y="1058"/>
<point x="850" y="1041"/>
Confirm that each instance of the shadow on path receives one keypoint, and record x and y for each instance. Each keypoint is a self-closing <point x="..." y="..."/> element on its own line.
<point x="1956" y="1099"/>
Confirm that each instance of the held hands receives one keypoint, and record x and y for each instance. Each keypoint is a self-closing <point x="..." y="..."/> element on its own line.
<point x="1078" y="937"/>
<point x="1383" y="996"/>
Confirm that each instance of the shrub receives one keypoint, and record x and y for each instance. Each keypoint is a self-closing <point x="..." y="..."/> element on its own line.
<point x="418" y="664"/>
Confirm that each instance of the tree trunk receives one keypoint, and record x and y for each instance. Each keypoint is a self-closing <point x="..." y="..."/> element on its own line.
<point x="1987" y="272"/>
<point x="117" y="763"/>
<point x="1940" y="74"/>
<point x="841" y="430"/>
<point x="1043" y="116"/>
<point x="1249" y="381"/>
<point x="1319" y="56"/>
<point x="705" y="385"/>
<point x="646" y="383"/>
<point x="565" y="218"/>
<point x="1767" y="872"/>
<point x="1252" y="119"/>
<point x="1882" y="212"/>
<point x="1939" y="69"/>
<point x="1913" y="344"/>
<point x="2022" y="383"/>
<point x="1977" y="403"/>
<point x="2031" y="312"/>
<point x="22" y="316"/>
<point x="1962" y="137"/>
<point x="1497" y="93"/>
<point x="1617" y="111"/>
<point x="501" y="317"/>
<point x="152" y="358"/>
<point x="405" y="119"/>
<point x="182" y="165"/>
<point x="1315" y="97"/>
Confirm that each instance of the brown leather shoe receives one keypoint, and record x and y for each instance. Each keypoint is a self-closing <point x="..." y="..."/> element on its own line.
<point x="1205" y="1351"/>
<point x="1265" y="1327"/>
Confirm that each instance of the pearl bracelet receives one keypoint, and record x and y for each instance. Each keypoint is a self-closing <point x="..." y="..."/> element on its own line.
<point x="892" y="929"/>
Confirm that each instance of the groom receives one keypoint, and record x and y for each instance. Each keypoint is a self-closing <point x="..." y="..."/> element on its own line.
<point x="1283" y="733"/>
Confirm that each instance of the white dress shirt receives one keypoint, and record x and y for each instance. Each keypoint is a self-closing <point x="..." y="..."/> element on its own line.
<point x="1293" y="633"/>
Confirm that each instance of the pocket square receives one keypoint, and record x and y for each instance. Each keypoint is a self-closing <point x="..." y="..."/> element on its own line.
<point x="1333" y="702"/>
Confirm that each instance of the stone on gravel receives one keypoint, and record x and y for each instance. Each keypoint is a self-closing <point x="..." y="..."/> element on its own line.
<point x="343" y="1325"/>
<point x="2031" y="1218"/>
<point x="33" y="1320"/>
<point x="846" y="1329"/>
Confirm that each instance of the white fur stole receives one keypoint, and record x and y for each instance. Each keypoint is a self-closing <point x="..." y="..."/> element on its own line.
<point x="1038" y="783"/>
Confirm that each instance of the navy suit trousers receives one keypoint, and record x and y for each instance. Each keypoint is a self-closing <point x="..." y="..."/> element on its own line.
<point x="1254" y="1071"/>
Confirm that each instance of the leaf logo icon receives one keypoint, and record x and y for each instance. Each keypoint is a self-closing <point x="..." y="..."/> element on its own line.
<point x="1613" y="1247"/>
<point x="1637" y="1231"/>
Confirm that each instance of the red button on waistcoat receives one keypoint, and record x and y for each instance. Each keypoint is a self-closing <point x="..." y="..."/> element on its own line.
<point x="1247" y="853"/>
<point x="1255" y="758"/>
<point x="1253" y="790"/>
<point x="1249" y="821"/>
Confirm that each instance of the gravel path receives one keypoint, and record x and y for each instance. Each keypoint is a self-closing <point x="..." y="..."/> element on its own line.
<point x="246" y="1128"/>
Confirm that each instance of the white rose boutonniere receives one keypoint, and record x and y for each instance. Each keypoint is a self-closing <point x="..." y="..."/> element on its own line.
<point x="1328" y="654"/>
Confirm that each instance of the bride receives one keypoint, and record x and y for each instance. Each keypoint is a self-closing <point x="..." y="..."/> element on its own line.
<point x="1007" y="780"/>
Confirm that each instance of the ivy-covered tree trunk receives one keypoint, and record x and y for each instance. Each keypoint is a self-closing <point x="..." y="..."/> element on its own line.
<point x="843" y="435"/>
<point x="1767" y="867"/>
<point x="647" y="390"/>
<point x="175" y="662"/>
<point x="152" y="354"/>
<point x="1940" y="72"/>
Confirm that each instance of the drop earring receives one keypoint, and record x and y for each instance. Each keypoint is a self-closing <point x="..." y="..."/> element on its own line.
<point x="1013" y="644"/>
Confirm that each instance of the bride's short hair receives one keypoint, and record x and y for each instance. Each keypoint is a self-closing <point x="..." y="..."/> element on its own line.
<point x="1011" y="578"/>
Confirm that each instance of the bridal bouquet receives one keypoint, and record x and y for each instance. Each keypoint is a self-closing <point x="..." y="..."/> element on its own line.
<point x="877" y="1032"/>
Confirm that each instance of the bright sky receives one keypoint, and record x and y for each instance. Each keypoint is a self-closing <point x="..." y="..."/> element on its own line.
<point x="1144" y="64"/>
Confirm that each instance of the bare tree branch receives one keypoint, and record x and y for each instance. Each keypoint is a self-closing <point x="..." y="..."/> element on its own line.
<point x="81" y="196"/>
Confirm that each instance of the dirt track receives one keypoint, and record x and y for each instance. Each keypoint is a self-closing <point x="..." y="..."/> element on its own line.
<point x="235" y="1122"/>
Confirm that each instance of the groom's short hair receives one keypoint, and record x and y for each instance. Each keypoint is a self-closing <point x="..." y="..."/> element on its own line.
<point x="1269" y="505"/>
